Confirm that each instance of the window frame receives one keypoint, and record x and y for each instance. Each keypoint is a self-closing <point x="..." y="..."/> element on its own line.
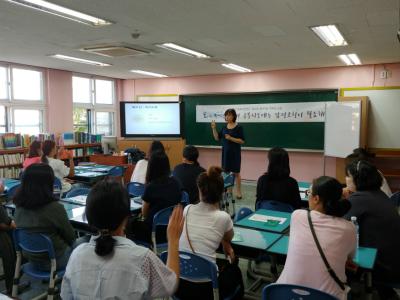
<point x="93" y="107"/>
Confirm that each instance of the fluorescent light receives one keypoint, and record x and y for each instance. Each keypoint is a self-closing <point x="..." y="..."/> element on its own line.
<point x="80" y="60"/>
<point x="236" y="68"/>
<point x="182" y="50"/>
<point x="350" y="59"/>
<point x="61" y="11"/>
<point x="330" y="35"/>
<point x="148" y="73"/>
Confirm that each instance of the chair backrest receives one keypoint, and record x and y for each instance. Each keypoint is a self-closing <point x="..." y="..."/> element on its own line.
<point x="77" y="192"/>
<point x="57" y="183"/>
<point x="162" y="217"/>
<point x="11" y="191"/>
<point x="242" y="213"/>
<point x="33" y="242"/>
<point x="276" y="291"/>
<point x="195" y="268"/>
<point x="117" y="171"/>
<point x="135" y="189"/>
<point x="274" y="205"/>
<point x="396" y="198"/>
<point x="229" y="179"/>
<point x="185" y="198"/>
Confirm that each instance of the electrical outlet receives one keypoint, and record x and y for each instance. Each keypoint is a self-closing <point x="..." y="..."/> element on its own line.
<point x="383" y="74"/>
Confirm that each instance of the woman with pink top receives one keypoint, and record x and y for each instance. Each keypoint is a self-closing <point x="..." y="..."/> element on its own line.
<point x="34" y="156"/>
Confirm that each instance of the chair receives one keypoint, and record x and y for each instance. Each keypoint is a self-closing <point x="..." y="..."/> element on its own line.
<point x="135" y="189"/>
<point x="185" y="198"/>
<point x="35" y="243"/>
<point x="229" y="182"/>
<point x="276" y="291"/>
<point x="196" y="268"/>
<point x="57" y="186"/>
<point x="117" y="172"/>
<point x="395" y="198"/>
<point x="77" y="192"/>
<point x="274" y="205"/>
<point x="242" y="213"/>
<point x="161" y="218"/>
<point x="11" y="191"/>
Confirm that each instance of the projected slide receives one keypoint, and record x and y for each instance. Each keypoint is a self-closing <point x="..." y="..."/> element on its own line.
<point x="152" y="119"/>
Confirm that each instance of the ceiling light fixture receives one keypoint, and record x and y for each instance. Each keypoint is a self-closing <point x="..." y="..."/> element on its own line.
<point x="236" y="68"/>
<point x="61" y="11"/>
<point x="350" y="59"/>
<point x="148" y="73"/>
<point x="330" y="35"/>
<point x="80" y="60"/>
<point x="182" y="50"/>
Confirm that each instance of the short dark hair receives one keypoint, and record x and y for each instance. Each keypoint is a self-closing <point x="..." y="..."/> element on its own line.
<point x="47" y="147"/>
<point x="232" y="112"/>
<point x="359" y="154"/>
<point x="365" y="175"/>
<point x="191" y="153"/>
<point x="211" y="185"/>
<point x="107" y="205"/>
<point x="36" y="188"/>
<point x="34" y="148"/>
<point x="155" y="146"/>
<point x="158" y="167"/>
<point x="330" y="191"/>
<point x="278" y="163"/>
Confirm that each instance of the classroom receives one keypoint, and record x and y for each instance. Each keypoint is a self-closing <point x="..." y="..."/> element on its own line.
<point x="272" y="123"/>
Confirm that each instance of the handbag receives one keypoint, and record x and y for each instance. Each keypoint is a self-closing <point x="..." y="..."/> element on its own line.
<point x="328" y="267"/>
<point x="230" y="280"/>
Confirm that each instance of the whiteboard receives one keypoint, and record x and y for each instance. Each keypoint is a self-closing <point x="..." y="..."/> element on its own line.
<point x="342" y="128"/>
<point x="383" y="116"/>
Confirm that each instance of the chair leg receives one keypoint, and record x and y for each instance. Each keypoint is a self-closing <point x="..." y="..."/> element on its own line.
<point x="16" y="274"/>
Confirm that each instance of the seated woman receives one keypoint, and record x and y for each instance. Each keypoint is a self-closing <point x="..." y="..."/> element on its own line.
<point x="139" y="173"/>
<point x="277" y="184"/>
<point x="188" y="172"/>
<point x="37" y="210"/>
<point x="206" y="227"/>
<point x="378" y="220"/>
<point x="7" y="252"/>
<point x="34" y="156"/>
<point x="161" y="191"/>
<point x="337" y="237"/>
<point x="49" y="153"/>
<point x="111" y="266"/>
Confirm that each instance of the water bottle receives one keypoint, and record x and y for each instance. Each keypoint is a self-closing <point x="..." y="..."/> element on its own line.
<point x="129" y="158"/>
<point x="354" y="221"/>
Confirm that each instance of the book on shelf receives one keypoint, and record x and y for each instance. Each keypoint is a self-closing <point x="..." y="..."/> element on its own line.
<point x="87" y="138"/>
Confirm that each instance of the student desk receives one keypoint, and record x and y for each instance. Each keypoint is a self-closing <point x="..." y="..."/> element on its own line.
<point x="364" y="258"/>
<point x="91" y="173"/>
<point x="266" y="226"/>
<point x="303" y="187"/>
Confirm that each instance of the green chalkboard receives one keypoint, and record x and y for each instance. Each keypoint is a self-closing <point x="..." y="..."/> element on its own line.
<point x="265" y="135"/>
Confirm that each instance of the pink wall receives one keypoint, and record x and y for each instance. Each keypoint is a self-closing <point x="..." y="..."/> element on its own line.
<point x="59" y="100"/>
<point x="304" y="166"/>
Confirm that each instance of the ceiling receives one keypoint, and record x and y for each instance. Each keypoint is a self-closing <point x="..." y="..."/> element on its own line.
<point x="257" y="34"/>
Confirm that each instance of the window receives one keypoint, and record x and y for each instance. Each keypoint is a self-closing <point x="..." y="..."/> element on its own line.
<point x="22" y="104"/>
<point x="94" y="105"/>
<point x="28" y="121"/>
<point x="26" y="84"/>
<point x="3" y="83"/>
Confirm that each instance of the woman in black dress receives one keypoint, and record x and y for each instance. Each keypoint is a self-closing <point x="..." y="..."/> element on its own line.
<point x="232" y="138"/>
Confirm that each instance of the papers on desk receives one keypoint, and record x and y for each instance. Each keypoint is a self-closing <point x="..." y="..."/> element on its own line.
<point x="237" y="237"/>
<point x="81" y="199"/>
<point x="89" y="174"/>
<point x="271" y="220"/>
<point x="78" y="211"/>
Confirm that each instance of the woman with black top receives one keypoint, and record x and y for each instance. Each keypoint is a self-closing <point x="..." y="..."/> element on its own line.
<point x="231" y="137"/>
<point x="276" y="184"/>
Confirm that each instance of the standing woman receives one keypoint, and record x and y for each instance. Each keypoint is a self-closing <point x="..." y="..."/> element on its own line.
<point x="232" y="137"/>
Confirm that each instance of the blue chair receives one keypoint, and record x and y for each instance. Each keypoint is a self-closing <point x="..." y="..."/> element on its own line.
<point x="35" y="243"/>
<point x="10" y="192"/>
<point x="276" y="291"/>
<point x="117" y="173"/>
<point x="274" y="205"/>
<point x="395" y="198"/>
<point x="242" y="213"/>
<point x="229" y="182"/>
<point x="77" y="192"/>
<point x="135" y="189"/>
<point x="161" y="218"/>
<point x="185" y="198"/>
<point x="196" y="268"/>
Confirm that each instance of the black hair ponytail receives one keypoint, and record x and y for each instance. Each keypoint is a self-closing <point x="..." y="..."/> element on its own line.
<point x="104" y="244"/>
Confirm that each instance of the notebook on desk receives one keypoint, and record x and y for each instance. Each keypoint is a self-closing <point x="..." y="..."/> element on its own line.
<point x="81" y="199"/>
